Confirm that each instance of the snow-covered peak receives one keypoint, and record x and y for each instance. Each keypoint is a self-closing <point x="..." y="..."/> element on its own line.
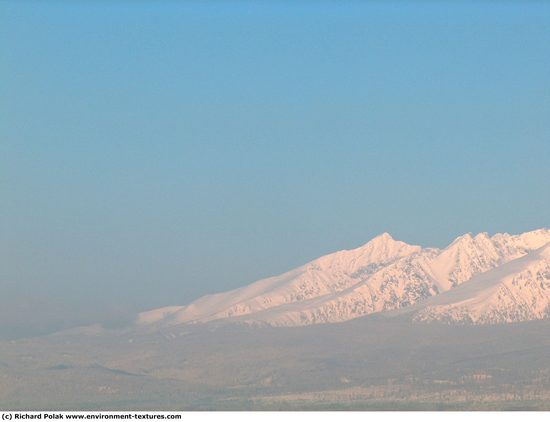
<point x="481" y="237"/>
<point x="529" y="240"/>
<point x="381" y="249"/>
<point x="381" y="238"/>
<point x="463" y="239"/>
<point x="469" y="240"/>
<point x="466" y="256"/>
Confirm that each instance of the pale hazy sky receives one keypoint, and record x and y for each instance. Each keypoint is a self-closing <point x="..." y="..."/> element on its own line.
<point x="152" y="152"/>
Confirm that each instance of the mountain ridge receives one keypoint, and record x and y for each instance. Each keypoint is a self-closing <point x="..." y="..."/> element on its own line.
<point x="517" y="291"/>
<point x="382" y="275"/>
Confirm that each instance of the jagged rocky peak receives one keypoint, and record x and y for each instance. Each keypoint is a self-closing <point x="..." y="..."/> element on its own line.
<point x="501" y="244"/>
<point x="531" y="239"/>
<point x="469" y="240"/>
<point x="482" y="236"/>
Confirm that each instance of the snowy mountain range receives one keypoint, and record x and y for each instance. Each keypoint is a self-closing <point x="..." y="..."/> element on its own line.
<point x="477" y="279"/>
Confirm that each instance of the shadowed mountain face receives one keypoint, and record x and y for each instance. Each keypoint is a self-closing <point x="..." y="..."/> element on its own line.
<point x="384" y="275"/>
<point x="367" y="363"/>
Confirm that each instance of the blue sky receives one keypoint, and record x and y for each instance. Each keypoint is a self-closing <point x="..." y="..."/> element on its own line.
<point x="152" y="152"/>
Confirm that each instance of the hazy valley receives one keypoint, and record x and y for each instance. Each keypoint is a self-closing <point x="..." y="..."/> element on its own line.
<point x="366" y="363"/>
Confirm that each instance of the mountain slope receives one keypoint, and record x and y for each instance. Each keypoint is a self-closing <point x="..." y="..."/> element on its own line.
<point x="514" y="292"/>
<point x="407" y="280"/>
<point x="324" y="276"/>
<point x="382" y="275"/>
